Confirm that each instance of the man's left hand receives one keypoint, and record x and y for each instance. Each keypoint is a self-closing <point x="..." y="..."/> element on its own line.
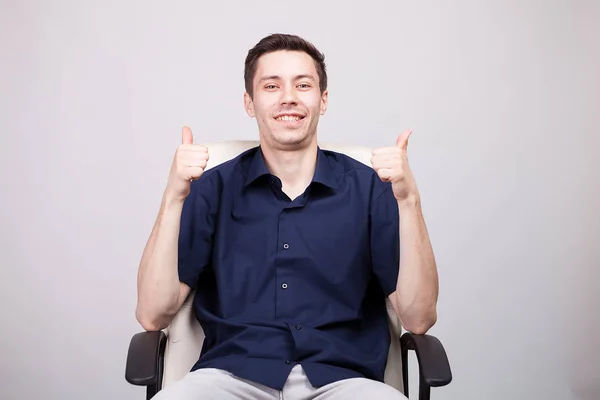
<point x="391" y="164"/>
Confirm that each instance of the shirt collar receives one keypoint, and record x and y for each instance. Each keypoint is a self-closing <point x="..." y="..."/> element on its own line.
<point x="325" y="173"/>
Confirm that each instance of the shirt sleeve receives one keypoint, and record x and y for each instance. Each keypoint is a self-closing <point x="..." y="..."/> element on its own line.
<point x="196" y="231"/>
<point x="385" y="239"/>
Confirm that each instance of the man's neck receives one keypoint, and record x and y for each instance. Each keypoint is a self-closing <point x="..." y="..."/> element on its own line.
<point x="295" y="168"/>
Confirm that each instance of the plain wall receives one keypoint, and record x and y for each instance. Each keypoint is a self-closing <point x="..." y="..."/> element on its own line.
<point x="502" y="97"/>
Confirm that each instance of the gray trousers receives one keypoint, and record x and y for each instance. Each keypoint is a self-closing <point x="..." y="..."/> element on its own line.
<point x="210" y="383"/>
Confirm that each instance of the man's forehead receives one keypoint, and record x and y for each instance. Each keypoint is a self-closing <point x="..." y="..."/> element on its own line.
<point x="285" y="63"/>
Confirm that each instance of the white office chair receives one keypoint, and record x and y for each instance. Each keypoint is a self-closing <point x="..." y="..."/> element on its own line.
<point x="158" y="359"/>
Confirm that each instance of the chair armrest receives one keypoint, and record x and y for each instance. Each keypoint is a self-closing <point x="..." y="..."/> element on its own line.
<point x="144" y="358"/>
<point x="434" y="368"/>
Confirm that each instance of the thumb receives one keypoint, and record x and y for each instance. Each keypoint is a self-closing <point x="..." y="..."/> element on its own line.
<point x="402" y="140"/>
<point x="186" y="136"/>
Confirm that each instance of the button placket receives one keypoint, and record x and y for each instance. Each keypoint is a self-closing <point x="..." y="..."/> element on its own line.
<point x="283" y="277"/>
<point x="287" y="250"/>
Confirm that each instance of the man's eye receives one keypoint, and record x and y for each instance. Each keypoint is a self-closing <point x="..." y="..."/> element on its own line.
<point x="304" y="85"/>
<point x="270" y="87"/>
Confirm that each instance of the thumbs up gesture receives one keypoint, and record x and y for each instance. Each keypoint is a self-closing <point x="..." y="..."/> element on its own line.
<point x="391" y="164"/>
<point x="188" y="164"/>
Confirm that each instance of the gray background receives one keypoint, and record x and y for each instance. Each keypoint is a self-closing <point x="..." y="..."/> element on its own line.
<point x="503" y="100"/>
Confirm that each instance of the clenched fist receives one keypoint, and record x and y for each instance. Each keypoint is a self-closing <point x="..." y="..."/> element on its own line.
<point x="188" y="164"/>
<point x="391" y="164"/>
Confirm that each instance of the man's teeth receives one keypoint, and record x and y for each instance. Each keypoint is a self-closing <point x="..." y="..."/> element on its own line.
<point x="288" y="118"/>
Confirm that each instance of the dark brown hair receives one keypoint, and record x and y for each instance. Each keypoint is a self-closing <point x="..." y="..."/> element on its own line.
<point x="279" y="41"/>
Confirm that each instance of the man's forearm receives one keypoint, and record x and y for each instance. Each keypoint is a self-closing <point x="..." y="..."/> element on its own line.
<point x="417" y="286"/>
<point x="158" y="282"/>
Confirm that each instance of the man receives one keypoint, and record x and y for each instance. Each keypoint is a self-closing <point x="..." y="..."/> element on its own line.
<point x="292" y="250"/>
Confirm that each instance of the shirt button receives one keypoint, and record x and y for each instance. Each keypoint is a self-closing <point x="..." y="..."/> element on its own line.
<point x="298" y="327"/>
<point x="284" y="285"/>
<point x="286" y="246"/>
<point x="288" y="362"/>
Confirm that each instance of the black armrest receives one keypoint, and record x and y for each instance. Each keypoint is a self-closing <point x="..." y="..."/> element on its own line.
<point x="434" y="367"/>
<point x="144" y="359"/>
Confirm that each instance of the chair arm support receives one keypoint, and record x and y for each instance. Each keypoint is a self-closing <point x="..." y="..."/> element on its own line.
<point x="144" y="358"/>
<point x="434" y="368"/>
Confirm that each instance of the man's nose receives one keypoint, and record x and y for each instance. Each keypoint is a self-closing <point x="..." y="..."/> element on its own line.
<point x="288" y="95"/>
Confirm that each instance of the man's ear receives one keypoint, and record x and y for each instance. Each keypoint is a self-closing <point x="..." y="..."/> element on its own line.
<point x="249" y="105"/>
<point x="324" y="100"/>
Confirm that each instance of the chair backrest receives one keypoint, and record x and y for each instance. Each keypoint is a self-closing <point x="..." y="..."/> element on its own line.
<point x="185" y="335"/>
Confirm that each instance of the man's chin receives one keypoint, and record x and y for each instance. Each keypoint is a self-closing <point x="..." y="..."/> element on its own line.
<point x="290" y="139"/>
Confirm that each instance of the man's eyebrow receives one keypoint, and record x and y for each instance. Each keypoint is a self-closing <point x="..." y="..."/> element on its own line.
<point x="277" y="77"/>
<point x="305" y="76"/>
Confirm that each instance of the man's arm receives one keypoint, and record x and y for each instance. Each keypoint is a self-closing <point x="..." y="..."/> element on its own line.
<point x="160" y="292"/>
<point x="416" y="294"/>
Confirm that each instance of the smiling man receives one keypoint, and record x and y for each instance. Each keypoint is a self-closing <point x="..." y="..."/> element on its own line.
<point x="292" y="249"/>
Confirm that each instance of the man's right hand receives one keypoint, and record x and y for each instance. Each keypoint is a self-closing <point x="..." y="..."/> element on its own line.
<point x="188" y="164"/>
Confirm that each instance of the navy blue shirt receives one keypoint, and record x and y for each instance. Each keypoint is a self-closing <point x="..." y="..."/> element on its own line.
<point x="281" y="281"/>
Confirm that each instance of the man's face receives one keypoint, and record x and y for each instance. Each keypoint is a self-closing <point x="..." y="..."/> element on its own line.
<point x="287" y="101"/>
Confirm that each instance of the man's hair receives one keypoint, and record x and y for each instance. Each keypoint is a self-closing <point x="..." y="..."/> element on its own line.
<point x="279" y="41"/>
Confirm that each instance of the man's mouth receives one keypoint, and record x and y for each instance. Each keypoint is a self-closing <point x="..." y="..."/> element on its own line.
<point x="289" y="117"/>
